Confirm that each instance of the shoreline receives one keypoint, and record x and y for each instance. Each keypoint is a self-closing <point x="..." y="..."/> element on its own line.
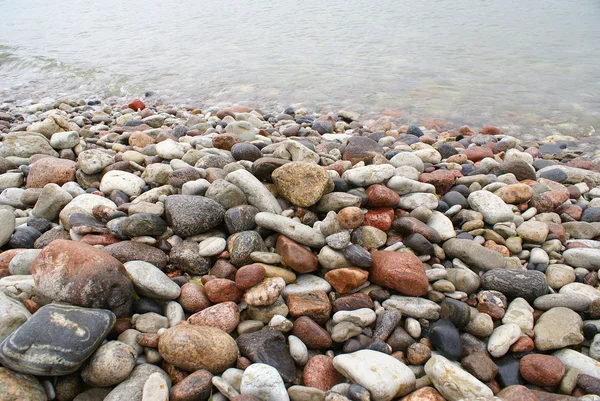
<point x="290" y="255"/>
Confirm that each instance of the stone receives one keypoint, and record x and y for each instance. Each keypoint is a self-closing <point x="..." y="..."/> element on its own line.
<point x="109" y="365"/>
<point x="576" y="360"/>
<point x="346" y="279"/>
<point x="473" y="254"/>
<point x="315" y="305"/>
<point x="527" y="284"/>
<point x="222" y="290"/>
<point x="268" y="346"/>
<point x="26" y="144"/>
<point x="256" y="193"/>
<point x="444" y="336"/>
<point x="51" y="201"/>
<point x="12" y="315"/>
<point x="403" y="272"/>
<point x="558" y="328"/>
<point x="191" y="347"/>
<point x="126" y="251"/>
<point x="453" y="382"/>
<point x="85" y="204"/>
<point x="533" y="232"/>
<point x="225" y="316"/>
<point x="185" y="256"/>
<point x="303" y="184"/>
<point x="80" y="274"/>
<point x="295" y="256"/>
<point x="72" y="335"/>
<point x="480" y="365"/>
<point x="155" y="388"/>
<point x="424" y="394"/>
<point x="419" y="308"/>
<point x="132" y="388"/>
<point x="368" y="175"/>
<point x="212" y="246"/>
<point x="320" y="373"/>
<point x="265" y="293"/>
<point x="50" y="170"/>
<point x="240" y="218"/>
<point x="93" y="161"/>
<point x="576" y="302"/>
<point x="192" y="215"/>
<point x="128" y="183"/>
<point x="298" y="232"/>
<point x="263" y="382"/>
<point x="502" y="338"/>
<point x="17" y="386"/>
<point x="311" y="334"/>
<point x="306" y="284"/>
<point x="517" y="393"/>
<point x="382" y="375"/>
<point x="588" y="258"/>
<point x="8" y="226"/>
<point x="227" y="194"/>
<point x="361" y="148"/>
<point x="492" y="207"/>
<point x="150" y="281"/>
<point x="196" y="386"/>
<point x="542" y="370"/>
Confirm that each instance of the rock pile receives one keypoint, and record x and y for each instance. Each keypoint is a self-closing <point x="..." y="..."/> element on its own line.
<point x="150" y="252"/>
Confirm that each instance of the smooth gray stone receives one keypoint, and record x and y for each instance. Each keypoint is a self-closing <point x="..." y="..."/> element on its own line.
<point x="576" y="302"/>
<point x="132" y="388"/>
<point x="474" y="254"/>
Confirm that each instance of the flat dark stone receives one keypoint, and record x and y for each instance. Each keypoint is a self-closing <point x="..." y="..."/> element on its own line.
<point x="270" y="347"/>
<point x="508" y="371"/>
<point x="444" y="336"/>
<point x="386" y="323"/>
<point x="126" y="251"/>
<point x="528" y="284"/>
<point x="459" y="313"/>
<point x="264" y="167"/>
<point x="240" y="218"/>
<point x="190" y="215"/>
<point x="56" y="340"/>
<point x="142" y="224"/>
<point x="358" y="256"/>
<point x="242" y="244"/>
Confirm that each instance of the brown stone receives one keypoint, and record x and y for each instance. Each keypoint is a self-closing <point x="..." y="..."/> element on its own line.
<point x="360" y="148"/>
<point x="353" y="302"/>
<point x="490" y="130"/>
<point x="542" y="370"/>
<point x="193" y="297"/>
<point x="491" y="309"/>
<point x="223" y="269"/>
<point x="314" y="305"/>
<point x="517" y="393"/>
<point x="418" y="354"/>
<point x="347" y="278"/>
<point x="381" y="218"/>
<point x="148" y="339"/>
<point x="180" y="176"/>
<point x="424" y="394"/>
<point x="589" y="384"/>
<point x="16" y="386"/>
<point x="295" y="256"/>
<point x="544" y="396"/>
<point x="224" y="316"/>
<point x="80" y="274"/>
<point x="410" y="225"/>
<point x="351" y="217"/>
<point x="548" y="202"/>
<point x="192" y="347"/>
<point x="478" y="153"/>
<point x="320" y="373"/>
<point x="381" y="196"/>
<point x="225" y="141"/>
<point x="98" y="239"/>
<point x="515" y="193"/>
<point x="245" y="397"/>
<point x="442" y="180"/>
<point x="249" y="275"/>
<point x="195" y="387"/>
<point x="140" y="140"/>
<point x="222" y="290"/>
<point x="126" y="251"/>
<point x="311" y="334"/>
<point x="50" y="170"/>
<point x="572" y="210"/>
<point x="523" y="344"/>
<point x="401" y="271"/>
<point x="480" y="365"/>
<point x="302" y="183"/>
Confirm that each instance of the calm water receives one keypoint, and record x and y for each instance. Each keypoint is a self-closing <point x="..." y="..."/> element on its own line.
<point x="528" y="65"/>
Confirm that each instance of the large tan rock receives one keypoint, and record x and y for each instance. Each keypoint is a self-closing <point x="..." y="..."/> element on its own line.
<point x="302" y="183"/>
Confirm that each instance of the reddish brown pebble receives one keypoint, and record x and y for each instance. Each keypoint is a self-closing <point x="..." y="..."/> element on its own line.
<point x="225" y="316"/>
<point x="314" y="305"/>
<point x="225" y="141"/>
<point x="442" y="180"/>
<point x="517" y="393"/>
<point x="424" y="394"/>
<point x="136" y="105"/>
<point x="311" y="334"/>
<point x="381" y="218"/>
<point x="243" y="363"/>
<point x="346" y="278"/>
<point x="489" y="308"/>
<point x="50" y="170"/>
<point x="418" y="354"/>
<point x="320" y="373"/>
<point x="196" y="386"/>
<point x="477" y="153"/>
<point x="541" y="370"/>
<point x="403" y="272"/>
<point x="193" y="297"/>
<point x="351" y="217"/>
<point x="140" y="140"/>
<point x="222" y="290"/>
<point x="31" y="305"/>
<point x="295" y="256"/>
<point x="523" y="344"/>
<point x="147" y="339"/>
<point x="353" y="302"/>
<point x="248" y="276"/>
<point x="381" y="196"/>
<point x="223" y="269"/>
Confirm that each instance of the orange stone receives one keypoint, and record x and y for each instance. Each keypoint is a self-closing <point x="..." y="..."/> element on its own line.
<point x="346" y="279"/>
<point x="401" y="271"/>
<point x="295" y="256"/>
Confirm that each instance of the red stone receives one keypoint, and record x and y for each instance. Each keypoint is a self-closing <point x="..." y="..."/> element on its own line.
<point x="379" y="218"/>
<point x="196" y="386"/>
<point x="401" y="271"/>
<point x="295" y="256"/>
<point x="7" y="256"/>
<point x="320" y="373"/>
<point x="222" y="290"/>
<point x="224" y="316"/>
<point x="50" y="170"/>
<point x="477" y="153"/>
<point x="225" y="141"/>
<point x="381" y="196"/>
<point x="490" y="130"/>
<point x="517" y="393"/>
<point x="100" y="239"/>
<point x="351" y="217"/>
<point x="523" y="344"/>
<point x="314" y="305"/>
<point x="248" y="276"/>
<point x="193" y="297"/>
<point x="548" y="202"/>
<point x="311" y="334"/>
<point x="542" y="370"/>
<point x="442" y="180"/>
<point x="353" y="302"/>
<point x="346" y="279"/>
<point x="136" y="105"/>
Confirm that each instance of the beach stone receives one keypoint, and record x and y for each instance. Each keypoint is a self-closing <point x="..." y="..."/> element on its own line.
<point x="243" y="129"/>
<point x="245" y="151"/>
<point x="249" y="275"/>
<point x="295" y="256"/>
<point x="225" y="316"/>
<point x="26" y="144"/>
<point x="403" y="272"/>
<point x="424" y="394"/>
<point x="302" y="393"/>
<point x="588" y="258"/>
<point x="320" y="373"/>
<point x="82" y="275"/>
<point x="559" y="275"/>
<point x="227" y="194"/>
<point x="93" y="161"/>
<point x="127" y="251"/>
<point x="520" y="313"/>
<point x="142" y="224"/>
<point x="185" y="256"/>
<point x="558" y="328"/>
<point x="241" y="245"/>
<point x="192" y="215"/>
<point x="415" y="200"/>
<point x="455" y="311"/>
<point x="64" y="347"/>
<point x="517" y="392"/>
<point x="222" y="290"/>
<point x="480" y="365"/>
<point x="240" y="218"/>
<point x="381" y="196"/>
<point x="368" y="175"/>
<point x="51" y="201"/>
<point x="534" y="232"/>
<point x="473" y="254"/>
<point x="128" y="183"/>
<point x="419" y="308"/>
<point x="265" y="293"/>
<point x="302" y="183"/>
<point x="12" y="315"/>
<point x="50" y="170"/>
<point x="336" y="201"/>
<point x="453" y="382"/>
<point x="8" y="226"/>
<point x="492" y="207"/>
<point x="382" y="375"/>
<point x="515" y="193"/>
<point x="576" y="302"/>
<point x="85" y="204"/>
<point x="150" y="281"/>
<point x="196" y="386"/>
<point x="132" y="388"/>
<point x="408" y="159"/>
<point x="21" y="263"/>
<point x="263" y="382"/>
<point x="315" y="305"/>
<point x="311" y="334"/>
<point x="582" y="289"/>
<point x="527" y="284"/>
<point x="17" y="386"/>
<point x="212" y="246"/>
<point x="358" y="256"/>
<point x="269" y="346"/>
<point x="346" y="279"/>
<point x="292" y="229"/>
<point x="155" y="388"/>
<point x="361" y="148"/>
<point x="444" y="336"/>
<point x="191" y="347"/>
<point x="442" y="224"/>
<point x="576" y="360"/>
<point x="109" y="365"/>
<point x="542" y="370"/>
<point x="502" y="338"/>
<point x="256" y="193"/>
<point x="306" y="284"/>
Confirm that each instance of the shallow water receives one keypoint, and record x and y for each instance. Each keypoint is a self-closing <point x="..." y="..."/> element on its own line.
<point x="526" y="65"/>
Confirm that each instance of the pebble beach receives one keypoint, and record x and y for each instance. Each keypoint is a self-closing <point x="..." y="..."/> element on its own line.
<point x="152" y="251"/>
